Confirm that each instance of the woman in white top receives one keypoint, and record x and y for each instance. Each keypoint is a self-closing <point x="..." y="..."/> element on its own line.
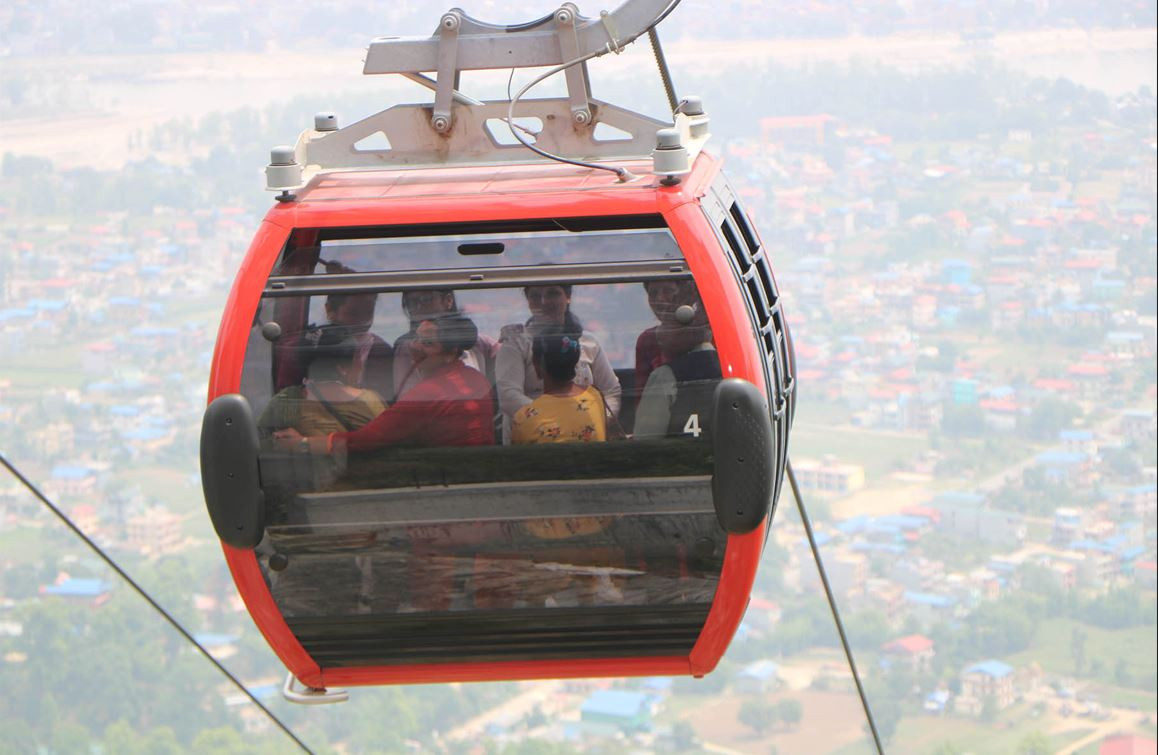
<point x="515" y="377"/>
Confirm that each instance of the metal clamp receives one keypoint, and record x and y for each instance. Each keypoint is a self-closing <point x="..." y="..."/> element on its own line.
<point x="447" y="82"/>
<point x="303" y="695"/>
<point x="578" y="85"/>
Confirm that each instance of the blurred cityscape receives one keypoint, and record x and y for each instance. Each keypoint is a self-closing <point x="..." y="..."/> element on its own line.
<point x="969" y="263"/>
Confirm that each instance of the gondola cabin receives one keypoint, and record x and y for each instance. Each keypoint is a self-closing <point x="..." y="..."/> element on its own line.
<point x="498" y="417"/>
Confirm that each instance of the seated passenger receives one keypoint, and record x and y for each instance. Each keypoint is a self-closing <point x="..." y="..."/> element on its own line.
<point x="355" y="312"/>
<point x="664" y="298"/>
<point x="518" y="383"/>
<point x="424" y="305"/>
<point x="677" y="399"/>
<point x="329" y="399"/>
<point x="450" y="406"/>
<point x="565" y="412"/>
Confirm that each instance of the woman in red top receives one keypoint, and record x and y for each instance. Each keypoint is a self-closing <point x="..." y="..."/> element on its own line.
<point x="450" y="406"/>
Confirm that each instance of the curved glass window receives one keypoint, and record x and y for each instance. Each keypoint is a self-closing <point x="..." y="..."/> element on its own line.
<point x="523" y="443"/>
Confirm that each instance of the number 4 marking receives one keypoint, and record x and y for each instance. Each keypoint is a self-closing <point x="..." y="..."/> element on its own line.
<point x="692" y="426"/>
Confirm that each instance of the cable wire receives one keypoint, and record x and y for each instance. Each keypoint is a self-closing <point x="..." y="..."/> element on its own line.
<point x="832" y="605"/>
<point x="149" y="599"/>
<point x="664" y="73"/>
<point x="622" y="173"/>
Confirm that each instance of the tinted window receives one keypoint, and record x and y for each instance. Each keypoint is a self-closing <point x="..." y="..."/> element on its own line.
<point x="557" y="461"/>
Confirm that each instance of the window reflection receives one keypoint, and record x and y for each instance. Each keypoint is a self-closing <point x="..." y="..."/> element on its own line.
<point x="535" y="447"/>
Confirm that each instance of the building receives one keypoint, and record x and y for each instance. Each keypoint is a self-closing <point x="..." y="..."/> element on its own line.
<point x="1139" y="424"/>
<point x="1066" y="467"/>
<point x="968" y="515"/>
<point x="828" y="475"/>
<point x="987" y="680"/>
<point x="154" y="531"/>
<point x="617" y="710"/>
<point x="757" y="678"/>
<point x="914" y="651"/>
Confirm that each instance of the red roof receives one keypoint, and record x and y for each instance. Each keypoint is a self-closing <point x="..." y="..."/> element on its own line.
<point x="1053" y="384"/>
<point x="1000" y="405"/>
<point x="1128" y="744"/>
<point x="913" y="644"/>
<point x="1092" y="370"/>
<point x="928" y="512"/>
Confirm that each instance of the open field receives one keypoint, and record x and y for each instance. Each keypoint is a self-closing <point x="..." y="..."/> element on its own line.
<point x="1052" y="648"/>
<point x="831" y="720"/>
<point x="123" y="95"/>
<point x="879" y="452"/>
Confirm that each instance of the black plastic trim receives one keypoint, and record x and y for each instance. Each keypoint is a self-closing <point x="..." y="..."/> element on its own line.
<point x="230" y="476"/>
<point x="742" y="483"/>
<point x="508" y="635"/>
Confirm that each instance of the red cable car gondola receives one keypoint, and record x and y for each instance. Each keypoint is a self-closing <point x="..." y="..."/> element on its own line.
<point x="382" y="515"/>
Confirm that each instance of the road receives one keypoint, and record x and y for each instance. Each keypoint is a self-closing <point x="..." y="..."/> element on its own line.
<point x="537" y="694"/>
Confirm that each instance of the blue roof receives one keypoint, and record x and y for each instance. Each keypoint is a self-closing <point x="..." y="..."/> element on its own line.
<point x="212" y="639"/>
<point x="1090" y="545"/>
<point x="143" y="434"/>
<point x="822" y="538"/>
<point x="615" y="702"/>
<point x="762" y="670"/>
<point x="996" y="669"/>
<point x="929" y="599"/>
<point x="70" y="472"/>
<point x="1075" y="435"/>
<point x="125" y="410"/>
<point x="657" y="683"/>
<point x="78" y="588"/>
<point x="52" y="305"/>
<point x="903" y="521"/>
<point x="894" y="548"/>
<point x="854" y="524"/>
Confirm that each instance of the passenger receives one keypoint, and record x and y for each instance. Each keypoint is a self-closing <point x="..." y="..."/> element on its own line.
<point x="518" y="383"/>
<point x="355" y="312"/>
<point x="664" y="298"/>
<point x="677" y="399"/>
<point x="450" y="406"/>
<point x="423" y="305"/>
<point x="329" y="399"/>
<point x="565" y="412"/>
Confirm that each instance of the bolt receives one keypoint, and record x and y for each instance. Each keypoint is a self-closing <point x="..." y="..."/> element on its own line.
<point x="450" y="21"/>
<point x="563" y="16"/>
<point x="440" y="123"/>
<point x="581" y="117"/>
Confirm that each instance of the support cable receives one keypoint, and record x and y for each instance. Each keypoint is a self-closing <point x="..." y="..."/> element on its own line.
<point x="664" y="72"/>
<point x="832" y="605"/>
<point x="149" y="599"/>
<point x="622" y="173"/>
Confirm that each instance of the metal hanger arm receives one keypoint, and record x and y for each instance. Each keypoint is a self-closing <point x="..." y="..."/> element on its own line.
<point x="488" y="46"/>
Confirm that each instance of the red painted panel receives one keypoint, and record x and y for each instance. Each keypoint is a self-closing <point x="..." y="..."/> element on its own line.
<point x="509" y="193"/>
<point x="503" y="671"/>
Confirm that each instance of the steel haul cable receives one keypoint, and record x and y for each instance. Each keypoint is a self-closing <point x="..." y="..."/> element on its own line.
<point x="148" y="598"/>
<point x="832" y="605"/>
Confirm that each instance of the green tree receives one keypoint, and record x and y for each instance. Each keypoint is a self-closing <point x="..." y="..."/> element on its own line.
<point x="1034" y="743"/>
<point x="790" y="711"/>
<point x="18" y="739"/>
<point x="71" y="738"/>
<point x="1078" y="648"/>
<point x="1049" y="416"/>
<point x="757" y="715"/>
<point x="683" y="735"/>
